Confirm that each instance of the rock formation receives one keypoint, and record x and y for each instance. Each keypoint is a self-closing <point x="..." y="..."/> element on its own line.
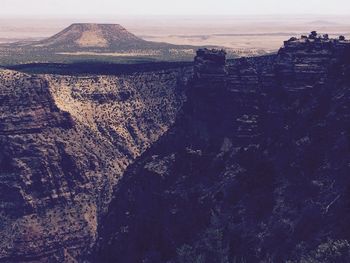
<point x="253" y="170"/>
<point x="87" y="35"/>
<point x="27" y="105"/>
<point x="65" y="141"/>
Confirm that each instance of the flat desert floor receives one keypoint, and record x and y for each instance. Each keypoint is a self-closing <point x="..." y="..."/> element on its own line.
<point x="247" y="35"/>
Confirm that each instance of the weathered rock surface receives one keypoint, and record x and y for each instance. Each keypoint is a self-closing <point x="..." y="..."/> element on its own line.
<point x="65" y="141"/>
<point x="27" y="105"/>
<point x="255" y="168"/>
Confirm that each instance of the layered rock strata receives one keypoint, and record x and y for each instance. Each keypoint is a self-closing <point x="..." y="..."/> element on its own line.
<point x="65" y="141"/>
<point x="254" y="169"/>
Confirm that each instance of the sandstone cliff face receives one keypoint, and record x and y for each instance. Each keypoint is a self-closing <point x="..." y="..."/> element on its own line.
<point x="254" y="169"/>
<point x="65" y="141"/>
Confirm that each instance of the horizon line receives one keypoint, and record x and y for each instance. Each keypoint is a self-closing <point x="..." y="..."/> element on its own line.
<point x="165" y="15"/>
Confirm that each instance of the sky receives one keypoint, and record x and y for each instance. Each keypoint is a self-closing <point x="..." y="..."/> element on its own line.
<point x="170" y="7"/>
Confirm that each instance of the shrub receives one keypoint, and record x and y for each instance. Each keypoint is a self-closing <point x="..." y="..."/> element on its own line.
<point x="332" y="251"/>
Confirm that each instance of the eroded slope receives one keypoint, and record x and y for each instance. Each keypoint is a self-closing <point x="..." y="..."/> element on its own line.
<point x="64" y="142"/>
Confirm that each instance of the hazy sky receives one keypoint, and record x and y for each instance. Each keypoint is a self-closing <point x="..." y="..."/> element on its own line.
<point x="170" y="7"/>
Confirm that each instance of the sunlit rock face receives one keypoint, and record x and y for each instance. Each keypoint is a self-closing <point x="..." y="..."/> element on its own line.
<point x="253" y="170"/>
<point x="65" y="142"/>
<point x="27" y="105"/>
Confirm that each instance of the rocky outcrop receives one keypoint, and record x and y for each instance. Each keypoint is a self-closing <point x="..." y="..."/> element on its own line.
<point x="210" y="62"/>
<point x="305" y="62"/>
<point x="65" y="141"/>
<point x="253" y="170"/>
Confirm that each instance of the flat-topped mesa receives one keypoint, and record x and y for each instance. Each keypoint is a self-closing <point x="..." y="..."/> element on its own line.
<point x="307" y="61"/>
<point x="210" y="61"/>
<point x="87" y="35"/>
<point x="27" y="105"/>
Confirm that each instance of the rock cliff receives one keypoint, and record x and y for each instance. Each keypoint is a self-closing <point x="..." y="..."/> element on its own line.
<point x="27" y="105"/>
<point x="253" y="170"/>
<point x="65" y="141"/>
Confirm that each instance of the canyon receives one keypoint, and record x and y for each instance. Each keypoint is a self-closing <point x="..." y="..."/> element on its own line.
<point x="65" y="142"/>
<point x="241" y="160"/>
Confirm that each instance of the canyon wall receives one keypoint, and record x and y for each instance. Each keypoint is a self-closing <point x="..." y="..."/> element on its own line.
<point x="65" y="142"/>
<point x="253" y="170"/>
